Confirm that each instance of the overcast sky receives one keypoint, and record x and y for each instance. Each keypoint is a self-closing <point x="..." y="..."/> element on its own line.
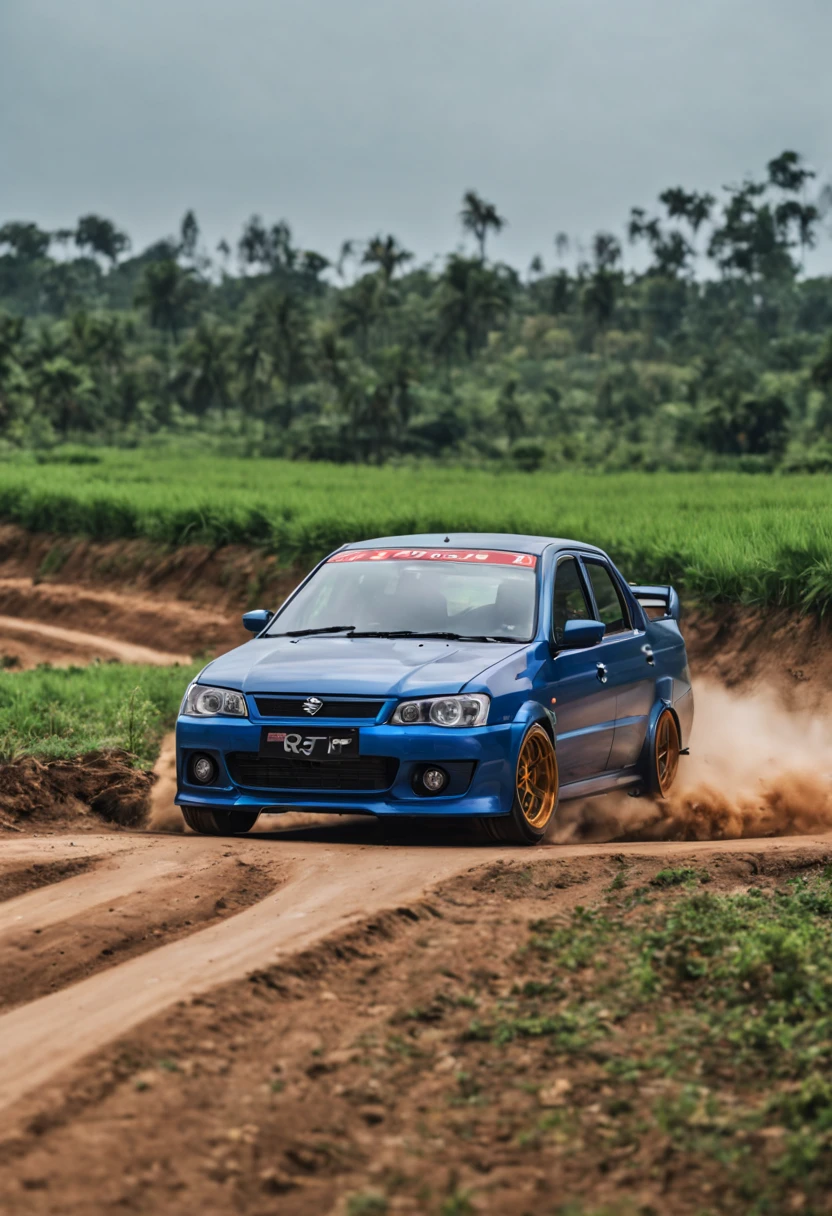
<point x="352" y="116"/>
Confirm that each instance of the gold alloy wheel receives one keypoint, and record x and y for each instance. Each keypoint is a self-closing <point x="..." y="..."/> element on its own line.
<point x="667" y="751"/>
<point x="537" y="778"/>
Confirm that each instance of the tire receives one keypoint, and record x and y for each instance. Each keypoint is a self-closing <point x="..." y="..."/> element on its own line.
<point x="535" y="793"/>
<point x="663" y="758"/>
<point x="219" y="822"/>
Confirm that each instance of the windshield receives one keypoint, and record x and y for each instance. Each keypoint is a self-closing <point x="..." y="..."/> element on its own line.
<point x="481" y="595"/>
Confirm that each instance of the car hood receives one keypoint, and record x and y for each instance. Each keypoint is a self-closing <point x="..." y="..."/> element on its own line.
<point x="371" y="667"/>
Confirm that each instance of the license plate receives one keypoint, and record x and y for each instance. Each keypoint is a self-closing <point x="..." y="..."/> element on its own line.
<point x="309" y="744"/>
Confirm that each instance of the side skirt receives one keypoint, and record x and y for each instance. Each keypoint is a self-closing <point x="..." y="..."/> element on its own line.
<point x="617" y="779"/>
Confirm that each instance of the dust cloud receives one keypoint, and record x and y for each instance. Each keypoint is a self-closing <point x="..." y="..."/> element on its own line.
<point x="755" y="769"/>
<point x="164" y="815"/>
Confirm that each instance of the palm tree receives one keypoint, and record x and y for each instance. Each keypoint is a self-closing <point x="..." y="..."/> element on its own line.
<point x="206" y="366"/>
<point x="687" y="205"/>
<point x="254" y="245"/>
<point x="165" y="291"/>
<point x="470" y="298"/>
<point x="345" y="254"/>
<point x="189" y="235"/>
<point x="788" y="172"/>
<point x="359" y="307"/>
<point x="312" y="266"/>
<point x="479" y="218"/>
<point x="606" y="250"/>
<point x="562" y="245"/>
<point x="67" y="392"/>
<point x="100" y="236"/>
<point x="25" y="241"/>
<point x="510" y="411"/>
<point x="387" y="254"/>
<point x="254" y="364"/>
<point x="283" y="328"/>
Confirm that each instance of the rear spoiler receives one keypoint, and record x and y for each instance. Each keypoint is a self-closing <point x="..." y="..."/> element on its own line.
<point x="658" y="603"/>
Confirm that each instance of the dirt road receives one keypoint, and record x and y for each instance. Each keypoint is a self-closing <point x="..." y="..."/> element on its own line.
<point x="101" y="932"/>
<point x="328" y="880"/>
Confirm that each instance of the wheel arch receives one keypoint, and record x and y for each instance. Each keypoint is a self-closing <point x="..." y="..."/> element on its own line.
<point x="529" y="713"/>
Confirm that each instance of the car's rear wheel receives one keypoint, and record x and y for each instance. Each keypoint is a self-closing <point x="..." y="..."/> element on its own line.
<point x="535" y="792"/>
<point x="219" y="822"/>
<point x="664" y="755"/>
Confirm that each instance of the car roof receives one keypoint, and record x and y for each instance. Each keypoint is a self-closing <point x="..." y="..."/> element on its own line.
<point x="510" y="541"/>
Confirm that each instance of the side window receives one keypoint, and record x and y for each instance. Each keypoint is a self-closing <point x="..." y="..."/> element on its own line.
<point x="570" y="603"/>
<point x="611" y="608"/>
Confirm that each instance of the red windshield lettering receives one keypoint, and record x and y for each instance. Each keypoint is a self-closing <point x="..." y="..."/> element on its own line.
<point x="494" y="557"/>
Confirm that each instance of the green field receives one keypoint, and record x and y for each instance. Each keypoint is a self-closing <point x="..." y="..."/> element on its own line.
<point x="721" y="536"/>
<point x="59" y="713"/>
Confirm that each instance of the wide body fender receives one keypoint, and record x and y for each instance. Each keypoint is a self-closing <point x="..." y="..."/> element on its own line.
<point x="682" y="710"/>
<point x="529" y="713"/>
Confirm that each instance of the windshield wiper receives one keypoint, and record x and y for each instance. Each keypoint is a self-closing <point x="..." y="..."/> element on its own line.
<point x="305" y="633"/>
<point x="441" y="634"/>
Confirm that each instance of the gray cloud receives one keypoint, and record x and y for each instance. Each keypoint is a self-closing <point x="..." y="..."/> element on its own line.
<point x="349" y="116"/>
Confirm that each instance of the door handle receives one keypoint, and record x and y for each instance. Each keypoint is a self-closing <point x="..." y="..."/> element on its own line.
<point x="647" y="651"/>
<point x="602" y="672"/>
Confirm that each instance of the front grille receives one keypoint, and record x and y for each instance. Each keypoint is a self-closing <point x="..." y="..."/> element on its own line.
<point x="292" y="707"/>
<point x="357" y="773"/>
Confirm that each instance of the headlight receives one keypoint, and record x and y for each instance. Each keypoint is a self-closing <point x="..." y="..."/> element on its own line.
<point x="203" y="702"/>
<point x="470" y="709"/>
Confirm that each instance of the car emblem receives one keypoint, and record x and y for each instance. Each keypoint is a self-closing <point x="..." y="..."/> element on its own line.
<point x="312" y="705"/>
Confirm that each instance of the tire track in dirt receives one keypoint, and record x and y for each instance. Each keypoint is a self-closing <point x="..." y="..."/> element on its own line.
<point x="328" y="888"/>
<point x="90" y="645"/>
<point x="115" y="877"/>
<point x="52" y="938"/>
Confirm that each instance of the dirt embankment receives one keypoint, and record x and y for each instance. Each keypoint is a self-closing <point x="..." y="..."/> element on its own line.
<point x="763" y="650"/>
<point x="83" y="793"/>
<point x="225" y="580"/>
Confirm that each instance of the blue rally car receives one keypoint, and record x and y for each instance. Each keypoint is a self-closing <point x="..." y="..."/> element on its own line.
<point x="480" y="676"/>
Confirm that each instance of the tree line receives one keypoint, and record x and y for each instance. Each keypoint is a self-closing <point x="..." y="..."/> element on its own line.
<point x="713" y="346"/>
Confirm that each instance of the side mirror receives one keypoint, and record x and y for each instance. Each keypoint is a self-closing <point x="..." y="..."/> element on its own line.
<point x="578" y="634"/>
<point x="256" y="621"/>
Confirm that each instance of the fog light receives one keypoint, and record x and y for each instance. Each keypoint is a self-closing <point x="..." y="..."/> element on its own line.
<point x="434" y="780"/>
<point x="204" y="770"/>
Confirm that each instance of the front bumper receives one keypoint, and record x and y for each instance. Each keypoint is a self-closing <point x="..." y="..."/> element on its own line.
<point x="481" y="761"/>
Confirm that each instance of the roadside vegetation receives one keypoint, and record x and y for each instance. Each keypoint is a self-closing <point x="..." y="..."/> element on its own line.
<point x="661" y="1034"/>
<point x="717" y="536"/>
<point x="708" y="344"/>
<point x="56" y="713"/>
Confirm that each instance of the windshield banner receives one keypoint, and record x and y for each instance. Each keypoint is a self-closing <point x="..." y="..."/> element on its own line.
<point x="485" y="557"/>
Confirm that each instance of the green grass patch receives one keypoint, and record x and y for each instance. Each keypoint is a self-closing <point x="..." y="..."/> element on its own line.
<point x="61" y="712"/>
<point x="762" y="539"/>
<point x="681" y="877"/>
<point x="710" y="1017"/>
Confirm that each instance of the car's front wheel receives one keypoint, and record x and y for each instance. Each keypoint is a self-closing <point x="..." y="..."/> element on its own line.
<point x="219" y="822"/>
<point x="535" y="792"/>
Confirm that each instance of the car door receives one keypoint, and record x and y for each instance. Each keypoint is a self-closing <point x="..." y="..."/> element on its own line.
<point x="626" y="659"/>
<point x="584" y="705"/>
